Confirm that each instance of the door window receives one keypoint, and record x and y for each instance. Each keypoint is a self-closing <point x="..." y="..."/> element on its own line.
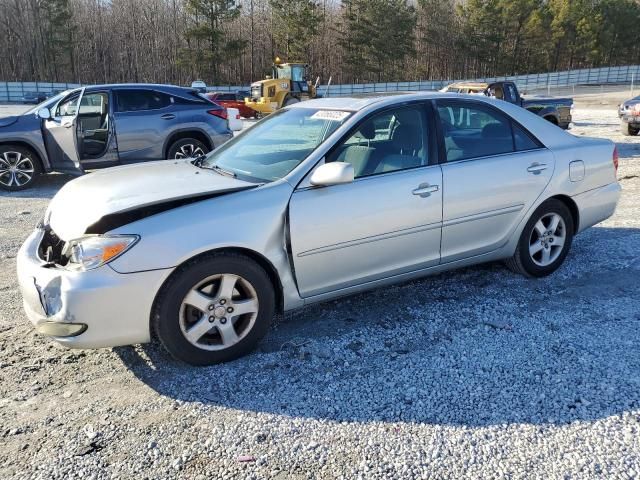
<point x="389" y="141"/>
<point x="136" y="100"/>
<point x="523" y="140"/>
<point x="471" y="130"/>
<point x="68" y="107"/>
<point x="510" y="93"/>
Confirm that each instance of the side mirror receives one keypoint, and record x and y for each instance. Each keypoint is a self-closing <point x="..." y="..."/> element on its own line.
<point x="333" y="173"/>
<point x="44" y="113"/>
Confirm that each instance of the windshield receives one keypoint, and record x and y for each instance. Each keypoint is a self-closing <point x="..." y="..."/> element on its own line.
<point x="276" y="145"/>
<point x="48" y="103"/>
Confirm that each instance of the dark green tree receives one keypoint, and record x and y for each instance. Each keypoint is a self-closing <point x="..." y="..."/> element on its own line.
<point x="208" y="44"/>
<point x="377" y="37"/>
<point x="295" y="24"/>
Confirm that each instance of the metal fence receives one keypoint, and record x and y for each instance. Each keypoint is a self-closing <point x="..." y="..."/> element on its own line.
<point x="14" y="91"/>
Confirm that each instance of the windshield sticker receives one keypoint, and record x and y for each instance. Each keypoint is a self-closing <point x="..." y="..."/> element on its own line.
<point x="334" y="115"/>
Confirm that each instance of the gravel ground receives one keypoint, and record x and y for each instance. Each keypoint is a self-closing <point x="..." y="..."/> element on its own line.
<point x="477" y="373"/>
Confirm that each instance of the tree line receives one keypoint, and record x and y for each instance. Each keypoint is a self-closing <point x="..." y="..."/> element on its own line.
<point x="352" y="41"/>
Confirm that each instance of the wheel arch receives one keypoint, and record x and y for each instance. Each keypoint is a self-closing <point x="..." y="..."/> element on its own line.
<point x="186" y="133"/>
<point x="258" y="258"/>
<point x="573" y="208"/>
<point x="29" y="146"/>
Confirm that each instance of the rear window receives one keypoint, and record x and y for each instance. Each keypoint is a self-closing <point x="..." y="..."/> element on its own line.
<point x="226" y="96"/>
<point x="137" y="100"/>
<point x="472" y="130"/>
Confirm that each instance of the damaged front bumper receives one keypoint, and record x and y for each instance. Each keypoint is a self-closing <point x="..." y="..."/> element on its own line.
<point x="92" y="309"/>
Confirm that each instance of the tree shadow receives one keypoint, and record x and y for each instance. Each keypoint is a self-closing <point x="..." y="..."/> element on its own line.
<point x="474" y="347"/>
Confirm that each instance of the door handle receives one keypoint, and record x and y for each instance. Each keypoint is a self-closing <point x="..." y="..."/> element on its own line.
<point x="425" y="190"/>
<point x="536" y="168"/>
<point x="168" y="116"/>
<point x="67" y="124"/>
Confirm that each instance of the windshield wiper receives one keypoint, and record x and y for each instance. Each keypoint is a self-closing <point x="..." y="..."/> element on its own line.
<point x="222" y="171"/>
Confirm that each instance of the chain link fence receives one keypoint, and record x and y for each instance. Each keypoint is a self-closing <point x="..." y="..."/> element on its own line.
<point x="13" y="92"/>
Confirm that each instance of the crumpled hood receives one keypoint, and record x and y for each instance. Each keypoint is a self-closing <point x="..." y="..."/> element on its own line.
<point x="6" y="121"/>
<point x="85" y="200"/>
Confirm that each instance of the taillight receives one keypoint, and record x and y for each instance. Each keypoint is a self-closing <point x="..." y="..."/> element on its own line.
<point x="222" y="113"/>
<point x="616" y="159"/>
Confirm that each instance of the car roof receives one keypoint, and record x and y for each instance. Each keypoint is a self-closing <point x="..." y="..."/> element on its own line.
<point x="153" y="86"/>
<point x="479" y="85"/>
<point x="354" y="104"/>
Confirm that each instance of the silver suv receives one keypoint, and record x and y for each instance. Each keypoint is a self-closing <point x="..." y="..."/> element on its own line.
<point x="105" y="125"/>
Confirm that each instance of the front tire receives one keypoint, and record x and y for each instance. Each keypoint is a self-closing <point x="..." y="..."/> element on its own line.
<point x="19" y="168"/>
<point x="627" y="130"/>
<point x="545" y="240"/>
<point x="186" y="148"/>
<point x="214" y="309"/>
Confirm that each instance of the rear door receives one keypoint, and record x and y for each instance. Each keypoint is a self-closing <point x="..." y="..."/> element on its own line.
<point x="143" y="118"/>
<point x="60" y="134"/>
<point x="494" y="172"/>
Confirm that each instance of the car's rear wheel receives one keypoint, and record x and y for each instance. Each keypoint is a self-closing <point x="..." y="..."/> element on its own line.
<point x="187" y="148"/>
<point x="19" y="168"/>
<point x="545" y="240"/>
<point x="627" y="130"/>
<point x="214" y="309"/>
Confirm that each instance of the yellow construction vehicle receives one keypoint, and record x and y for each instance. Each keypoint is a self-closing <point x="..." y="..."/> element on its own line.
<point x="288" y="84"/>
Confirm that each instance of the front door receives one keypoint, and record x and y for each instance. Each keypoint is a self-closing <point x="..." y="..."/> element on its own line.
<point x="60" y="134"/>
<point x="387" y="222"/>
<point x="494" y="172"/>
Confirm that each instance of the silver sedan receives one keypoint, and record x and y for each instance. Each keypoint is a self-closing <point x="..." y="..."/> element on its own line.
<point x="320" y="200"/>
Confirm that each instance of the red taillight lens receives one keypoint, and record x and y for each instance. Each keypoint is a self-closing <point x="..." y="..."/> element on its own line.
<point x="616" y="159"/>
<point x="222" y="113"/>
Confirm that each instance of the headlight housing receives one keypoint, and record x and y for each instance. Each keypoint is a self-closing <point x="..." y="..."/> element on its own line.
<point x="93" y="251"/>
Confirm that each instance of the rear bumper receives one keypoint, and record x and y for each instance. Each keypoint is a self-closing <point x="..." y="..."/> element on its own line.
<point x="98" y="308"/>
<point x="597" y="205"/>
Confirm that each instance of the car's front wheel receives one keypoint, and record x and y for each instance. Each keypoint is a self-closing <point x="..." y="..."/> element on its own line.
<point x="19" y="168"/>
<point x="187" y="148"/>
<point x="214" y="309"/>
<point x="545" y="240"/>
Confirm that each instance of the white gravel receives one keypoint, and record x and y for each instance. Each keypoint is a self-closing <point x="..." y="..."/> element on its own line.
<point x="477" y="373"/>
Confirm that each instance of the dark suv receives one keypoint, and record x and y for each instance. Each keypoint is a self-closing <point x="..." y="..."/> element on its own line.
<point x="107" y="125"/>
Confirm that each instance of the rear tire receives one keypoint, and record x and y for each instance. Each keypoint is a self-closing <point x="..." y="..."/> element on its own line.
<point x="186" y="148"/>
<point x="545" y="241"/>
<point x="627" y="130"/>
<point x="19" y="168"/>
<point x="197" y="312"/>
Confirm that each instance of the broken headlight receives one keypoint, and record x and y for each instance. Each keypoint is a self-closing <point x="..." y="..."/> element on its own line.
<point x="93" y="251"/>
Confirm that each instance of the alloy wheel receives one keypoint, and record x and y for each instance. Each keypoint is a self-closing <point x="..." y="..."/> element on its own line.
<point x="547" y="239"/>
<point x="189" y="150"/>
<point x="16" y="170"/>
<point x="218" y="312"/>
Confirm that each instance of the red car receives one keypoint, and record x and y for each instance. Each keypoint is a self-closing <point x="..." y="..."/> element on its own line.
<point x="233" y="100"/>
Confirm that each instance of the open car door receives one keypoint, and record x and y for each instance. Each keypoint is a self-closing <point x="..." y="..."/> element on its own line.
<point x="60" y="133"/>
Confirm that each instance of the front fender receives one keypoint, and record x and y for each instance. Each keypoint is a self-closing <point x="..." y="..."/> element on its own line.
<point x="252" y="220"/>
